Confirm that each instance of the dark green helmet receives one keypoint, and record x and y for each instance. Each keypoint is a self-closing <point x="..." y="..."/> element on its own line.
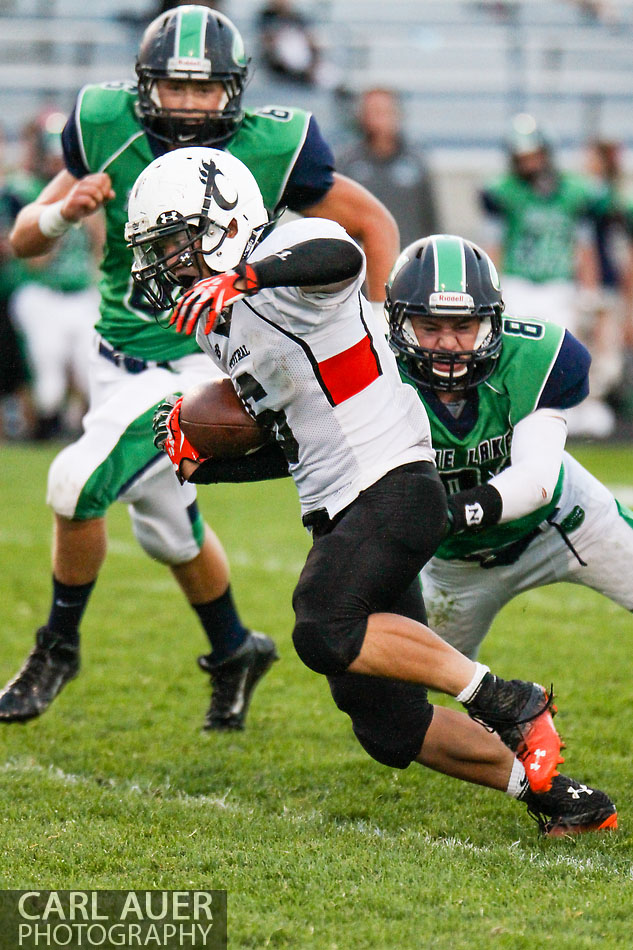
<point x="444" y="276"/>
<point x="191" y="42"/>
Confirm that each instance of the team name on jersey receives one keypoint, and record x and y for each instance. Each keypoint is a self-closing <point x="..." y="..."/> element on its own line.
<point x="445" y="458"/>
<point x="490" y="449"/>
<point x="240" y="353"/>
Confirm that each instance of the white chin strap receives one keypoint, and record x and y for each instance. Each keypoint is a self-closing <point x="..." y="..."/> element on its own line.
<point x="484" y="329"/>
<point x="408" y="332"/>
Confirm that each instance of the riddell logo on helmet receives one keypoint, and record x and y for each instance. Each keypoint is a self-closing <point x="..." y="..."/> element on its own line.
<point x="188" y="64"/>
<point x="453" y="301"/>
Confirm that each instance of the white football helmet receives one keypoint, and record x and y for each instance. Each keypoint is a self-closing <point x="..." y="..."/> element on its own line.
<point x="188" y="204"/>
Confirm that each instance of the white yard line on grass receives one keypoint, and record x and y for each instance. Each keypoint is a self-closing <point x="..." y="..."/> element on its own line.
<point x="592" y="865"/>
<point x="126" y="786"/>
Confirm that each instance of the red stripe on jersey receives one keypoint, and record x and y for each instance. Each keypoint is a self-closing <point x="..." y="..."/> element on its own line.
<point x="350" y="372"/>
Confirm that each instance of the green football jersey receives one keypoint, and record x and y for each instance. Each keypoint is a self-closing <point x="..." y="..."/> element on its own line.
<point x="511" y="393"/>
<point x="112" y="140"/>
<point x="539" y="237"/>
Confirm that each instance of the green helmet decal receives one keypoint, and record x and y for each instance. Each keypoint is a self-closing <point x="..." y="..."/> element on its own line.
<point x="189" y="41"/>
<point x="239" y="53"/>
<point x="494" y="276"/>
<point x="450" y="264"/>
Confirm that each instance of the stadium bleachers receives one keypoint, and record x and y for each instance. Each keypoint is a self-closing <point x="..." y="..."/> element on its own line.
<point x="463" y="66"/>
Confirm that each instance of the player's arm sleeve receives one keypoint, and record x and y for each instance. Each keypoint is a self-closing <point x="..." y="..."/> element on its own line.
<point x="264" y="464"/>
<point x="539" y="438"/>
<point x="527" y="484"/>
<point x="73" y="155"/>
<point x="529" y="481"/>
<point x="568" y="380"/>
<point x="312" y="174"/>
<point x="318" y="263"/>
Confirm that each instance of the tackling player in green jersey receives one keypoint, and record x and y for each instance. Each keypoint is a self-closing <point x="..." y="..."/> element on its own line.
<point x="496" y="389"/>
<point x="191" y="73"/>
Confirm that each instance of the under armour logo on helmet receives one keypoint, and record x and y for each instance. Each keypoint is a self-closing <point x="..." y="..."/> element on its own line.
<point x="168" y="217"/>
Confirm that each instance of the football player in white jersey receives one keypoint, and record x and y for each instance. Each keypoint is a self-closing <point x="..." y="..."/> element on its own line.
<point x="284" y="317"/>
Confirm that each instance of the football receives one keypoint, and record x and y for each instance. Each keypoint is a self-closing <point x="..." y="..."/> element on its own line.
<point x="216" y="423"/>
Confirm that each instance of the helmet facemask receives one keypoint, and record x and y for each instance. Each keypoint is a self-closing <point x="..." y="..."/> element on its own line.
<point x="448" y="278"/>
<point x="189" y="126"/>
<point x="192" y="212"/>
<point x="174" y="241"/>
<point x="460" y="370"/>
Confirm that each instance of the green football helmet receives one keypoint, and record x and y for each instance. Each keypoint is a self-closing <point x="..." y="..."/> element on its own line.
<point x="194" y="43"/>
<point x="444" y="276"/>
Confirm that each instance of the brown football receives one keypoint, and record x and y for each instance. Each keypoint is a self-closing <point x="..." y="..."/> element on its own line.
<point x="216" y="423"/>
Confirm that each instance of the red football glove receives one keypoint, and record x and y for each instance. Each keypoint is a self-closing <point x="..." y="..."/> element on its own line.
<point x="211" y="296"/>
<point x="171" y="439"/>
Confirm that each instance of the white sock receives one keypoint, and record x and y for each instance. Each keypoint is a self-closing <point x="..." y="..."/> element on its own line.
<point x="518" y="780"/>
<point x="469" y="691"/>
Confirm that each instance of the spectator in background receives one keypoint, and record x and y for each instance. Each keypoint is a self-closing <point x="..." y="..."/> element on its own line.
<point x="55" y="301"/>
<point x="389" y="167"/>
<point x="288" y="47"/>
<point x="597" y="11"/>
<point x="538" y="232"/>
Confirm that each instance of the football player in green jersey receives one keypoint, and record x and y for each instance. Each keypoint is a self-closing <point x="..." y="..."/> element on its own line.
<point x="538" y="222"/>
<point x="538" y="234"/>
<point x="524" y="513"/>
<point x="191" y="73"/>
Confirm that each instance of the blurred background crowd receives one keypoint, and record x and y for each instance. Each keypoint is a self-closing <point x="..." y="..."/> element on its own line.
<point x="509" y="122"/>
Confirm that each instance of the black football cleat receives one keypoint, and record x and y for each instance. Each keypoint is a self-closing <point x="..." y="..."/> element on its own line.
<point x="234" y="679"/>
<point x="571" y="808"/>
<point x="48" y="667"/>
<point x="521" y="714"/>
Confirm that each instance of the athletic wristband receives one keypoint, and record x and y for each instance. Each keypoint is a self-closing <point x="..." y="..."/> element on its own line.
<point x="474" y="508"/>
<point x="51" y="222"/>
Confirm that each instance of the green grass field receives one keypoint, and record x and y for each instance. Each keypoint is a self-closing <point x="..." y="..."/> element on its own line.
<point x="317" y="845"/>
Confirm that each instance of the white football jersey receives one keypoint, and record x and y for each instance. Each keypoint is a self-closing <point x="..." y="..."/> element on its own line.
<point x="317" y="367"/>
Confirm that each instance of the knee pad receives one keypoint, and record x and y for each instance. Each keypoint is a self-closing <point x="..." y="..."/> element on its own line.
<point x="385" y="755"/>
<point x="325" y="647"/>
<point x="67" y="478"/>
<point x="390" y="718"/>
